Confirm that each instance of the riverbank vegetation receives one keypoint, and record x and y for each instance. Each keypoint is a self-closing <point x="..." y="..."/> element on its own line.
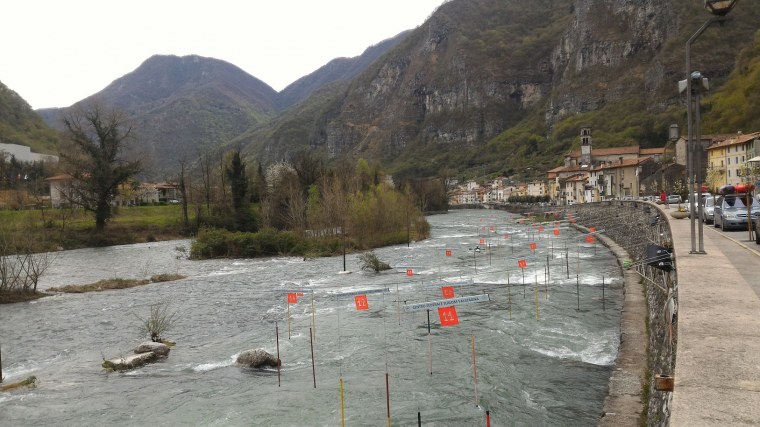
<point x="296" y="207"/>
<point x="111" y="284"/>
<point x="304" y="208"/>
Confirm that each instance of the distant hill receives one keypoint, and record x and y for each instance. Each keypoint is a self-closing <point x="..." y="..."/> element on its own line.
<point x="337" y="70"/>
<point x="183" y="106"/>
<point x="20" y="125"/>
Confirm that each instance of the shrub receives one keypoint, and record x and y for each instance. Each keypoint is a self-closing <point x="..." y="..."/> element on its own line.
<point x="370" y="261"/>
<point x="159" y="321"/>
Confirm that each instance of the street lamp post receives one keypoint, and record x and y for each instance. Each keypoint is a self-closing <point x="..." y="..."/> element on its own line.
<point x="719" y="8"/>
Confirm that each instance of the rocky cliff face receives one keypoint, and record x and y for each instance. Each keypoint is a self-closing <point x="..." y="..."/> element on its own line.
<point x="609" y="46"/>
<point x="447" y="84"/>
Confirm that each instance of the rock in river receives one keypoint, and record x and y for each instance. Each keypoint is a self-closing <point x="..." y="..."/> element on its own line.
<point x="257" y="358"/>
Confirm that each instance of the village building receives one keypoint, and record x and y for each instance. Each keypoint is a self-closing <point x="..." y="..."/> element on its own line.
<point x="591" y="175"/>
<point x="728" y="160"/>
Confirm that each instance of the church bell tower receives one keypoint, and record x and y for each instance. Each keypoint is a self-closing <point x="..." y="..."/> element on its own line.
<point x="585" y="146"/>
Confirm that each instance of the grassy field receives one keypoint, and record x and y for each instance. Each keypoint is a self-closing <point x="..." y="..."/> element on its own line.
<point x="51" y="229"/>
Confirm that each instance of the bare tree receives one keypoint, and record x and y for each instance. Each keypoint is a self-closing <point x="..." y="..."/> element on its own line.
<point x="204" y="160"/>
<point x="182" y="183"/>
<point x="94" y="159"/>
<point x="20" y="268"/>
<point x="295" y="203"/>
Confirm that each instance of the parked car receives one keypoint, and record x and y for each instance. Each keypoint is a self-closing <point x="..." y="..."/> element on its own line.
<point x="695" y="197"/>
<point x="708" y="209"/>
<point x="673" y="199"/>
<point x="731" y="212"/>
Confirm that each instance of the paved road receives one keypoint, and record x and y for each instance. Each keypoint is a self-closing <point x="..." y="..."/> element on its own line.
<point x="717" y="374"/>
<point x="741" y="242"/>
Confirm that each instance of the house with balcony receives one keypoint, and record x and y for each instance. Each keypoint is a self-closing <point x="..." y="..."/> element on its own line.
<point x="728" y="160"/>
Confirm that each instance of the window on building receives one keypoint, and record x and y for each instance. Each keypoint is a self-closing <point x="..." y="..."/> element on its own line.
<point x="729" y="175"/>
<point x="721" y="163"/>
<point x="728" y="161"/>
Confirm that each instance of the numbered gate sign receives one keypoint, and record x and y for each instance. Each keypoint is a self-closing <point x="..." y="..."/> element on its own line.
<point x="556" y="231"/>
<point x="447" y="291"/>
<point x="491" y="228"/>
<point x="448" y="252"/>
<point x="482" y="241"/>
<point x="590" y="239"/>
<point x="409" y="272"/>
<point x="533" y="246"/>
<point x="592" y="229"/>
<point x="361" y="302"/>
<point x="448" y="315"/>
<point x="522" y="263"/>
<point x="540" y="229"/>
<point x="292" y="298"/>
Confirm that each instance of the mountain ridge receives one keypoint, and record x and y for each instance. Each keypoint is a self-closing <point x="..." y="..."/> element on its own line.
<point x="482" y="85"/>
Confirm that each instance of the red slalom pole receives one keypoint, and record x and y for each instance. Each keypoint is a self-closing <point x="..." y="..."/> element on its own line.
<point x="488" y="418"/>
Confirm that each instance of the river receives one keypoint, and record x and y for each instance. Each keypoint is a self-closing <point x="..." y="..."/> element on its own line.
<point x="549" y="366"/>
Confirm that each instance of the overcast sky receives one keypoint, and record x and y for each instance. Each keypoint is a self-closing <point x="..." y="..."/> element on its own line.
<point x="57" y="52"/>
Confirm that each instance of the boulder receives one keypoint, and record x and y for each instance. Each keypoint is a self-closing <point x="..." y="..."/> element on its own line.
<point x="160" y="349"/>
<point x="257" y="358"/>
<point x="129" y="362"/>
<point x="146" y="352"/>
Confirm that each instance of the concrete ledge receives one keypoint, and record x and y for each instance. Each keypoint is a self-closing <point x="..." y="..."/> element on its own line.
<point x="623" y="405"/>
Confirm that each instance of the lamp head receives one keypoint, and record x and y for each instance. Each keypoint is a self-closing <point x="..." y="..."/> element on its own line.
<point x="720" y="7"/>
<point x="673" y="134"/>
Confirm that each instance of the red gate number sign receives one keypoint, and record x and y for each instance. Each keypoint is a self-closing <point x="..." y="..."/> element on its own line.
<point x="482" y="241"/>
<point x="540" y="229"/>
<point x="361" y="302"/>
<point x="448" y="252"/>
<point x="533" y="246"/>
<point x="409" y="272"/>
<point x="448" y="316"/>
<point x="447" y="291"/>
<point x="592" y="229"/>
<point x="522" y="263"/>
<point x="590" y="239"/>
<point x="556" y="231"/>
<point x="292" y="298"/>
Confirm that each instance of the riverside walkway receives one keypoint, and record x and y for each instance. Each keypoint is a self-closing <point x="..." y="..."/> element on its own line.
<point x="717" y="371"/>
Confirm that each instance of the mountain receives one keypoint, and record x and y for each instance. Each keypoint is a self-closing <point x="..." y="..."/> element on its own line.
<point x="20" y="125"/>
<point x="339" y="69"/>
<point x="183" y="106"/>
<point x="482" y="87"/>
<point x="500" y="85"/>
